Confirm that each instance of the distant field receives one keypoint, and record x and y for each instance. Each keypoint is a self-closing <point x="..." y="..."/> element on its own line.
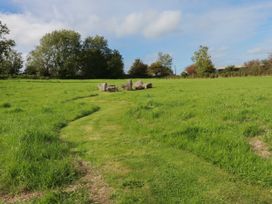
<point x="184" y="141"/>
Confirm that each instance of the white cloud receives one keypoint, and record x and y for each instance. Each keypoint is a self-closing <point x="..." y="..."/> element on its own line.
<point x="89" y="17"/>
<point x="167" y="22"/>
<point x="27" y="30"/>
<point x="149" y="24"/>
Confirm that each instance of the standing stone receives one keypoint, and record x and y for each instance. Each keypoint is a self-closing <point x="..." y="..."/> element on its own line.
<point x="103" y="87"/>
<point x="128" y="86"/>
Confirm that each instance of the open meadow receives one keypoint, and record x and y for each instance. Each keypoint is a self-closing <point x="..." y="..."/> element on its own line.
<point x="183" y="141"/>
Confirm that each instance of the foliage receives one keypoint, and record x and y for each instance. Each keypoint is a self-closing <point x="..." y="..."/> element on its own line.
<point x="138" y="69"/>
<point x="10" y="60"/>
<point x="99" y="61"/>
<point x="5" y="44"/>
<point x="115" y="65"/>
<point x="57" y="55"/>
<point x="94" y="57"/>
<point x="12" y="63"/>
<point x="165" y="60"/>
<point x="191" y="70"/>
<point x="162" y="66"/>
<point x="253" y="67"/>
<point x="61" y="54"/>
<point x="203" y="61"/>
<point x="230" y="68"/>
<point x="156" y="69"/>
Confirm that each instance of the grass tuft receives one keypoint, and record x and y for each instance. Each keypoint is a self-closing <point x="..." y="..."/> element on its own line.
<point x="133" y="184"/>
<point x="253" y="131"/>
<point x="6" y="105"/>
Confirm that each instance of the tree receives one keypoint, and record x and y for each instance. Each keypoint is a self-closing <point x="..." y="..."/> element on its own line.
<point x="165" y="59"/>
<point x="267" y="64"/>
<point x="156" y="69"/>
<point x="57" y="55"/>
<point x="115" y="65"/>
<point x="203" y="61"/>
<point x="94" y="57"/>
<point x="191" y="70"/>
<point x="138" y="69"/>
<point x="162" y="66"/>
<point x="230" y="68"/>
<point x="99" y="61"/>
<point x="5" y="44"/>
<point x="12" y="63"/>
<point x="254" y="67"/>
<point x="10" y="60"/>
<point x="61" y="54"/>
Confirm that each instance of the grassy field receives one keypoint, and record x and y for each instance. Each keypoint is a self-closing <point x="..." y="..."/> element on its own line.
<point x="184" y="141"/>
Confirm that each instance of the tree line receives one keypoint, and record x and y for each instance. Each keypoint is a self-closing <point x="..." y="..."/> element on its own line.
<point x="203" y="67"/>
<point x="62" y="54"/>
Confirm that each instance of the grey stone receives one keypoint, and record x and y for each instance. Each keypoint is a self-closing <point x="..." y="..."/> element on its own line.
<point x="148" y="86"/>
<point x="128" y="86"/>
<point x="139" y="85"/>
<point x="112" y="88"/>
<point x="103" y="87"/>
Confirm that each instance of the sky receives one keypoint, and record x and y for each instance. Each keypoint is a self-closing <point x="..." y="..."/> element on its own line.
<point x="234" y="30"/>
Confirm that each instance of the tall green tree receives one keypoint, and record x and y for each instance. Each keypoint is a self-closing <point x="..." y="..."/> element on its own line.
<point x="10" y="60"/>
<point x="12" y="63"/>
<point x="94" y="57"/>
<point x="156" y="69"/>
<point x="162" y="66"/>
<point x="99" y="61"/>
<point x="165" y="60"/>
<point x="138" y="69"/>
<point x="57" y="55"/>
<point x="115" y="65"/>
<point x="203" y="61"/>
<point x="5" y="44"/>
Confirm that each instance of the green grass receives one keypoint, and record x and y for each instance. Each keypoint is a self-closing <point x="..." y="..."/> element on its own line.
<point x="184" y="141"/>
<point x="33" y="157"/>
<point x="79" y="196"/>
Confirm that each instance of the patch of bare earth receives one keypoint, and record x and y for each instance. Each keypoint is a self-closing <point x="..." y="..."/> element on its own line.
<point x="99" y="191"/>
<point x="23" y="197"/>
<point x="260" y="148"/>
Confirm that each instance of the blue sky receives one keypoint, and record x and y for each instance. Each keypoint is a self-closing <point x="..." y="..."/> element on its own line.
<point x="234" y="30"/>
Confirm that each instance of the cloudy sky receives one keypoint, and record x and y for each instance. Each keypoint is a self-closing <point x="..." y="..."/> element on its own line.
<point x="234" y="30"/>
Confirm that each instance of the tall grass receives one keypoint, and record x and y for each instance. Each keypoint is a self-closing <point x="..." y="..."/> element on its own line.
<point x="33" y="157"/>
<point x="212" y="121"/>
